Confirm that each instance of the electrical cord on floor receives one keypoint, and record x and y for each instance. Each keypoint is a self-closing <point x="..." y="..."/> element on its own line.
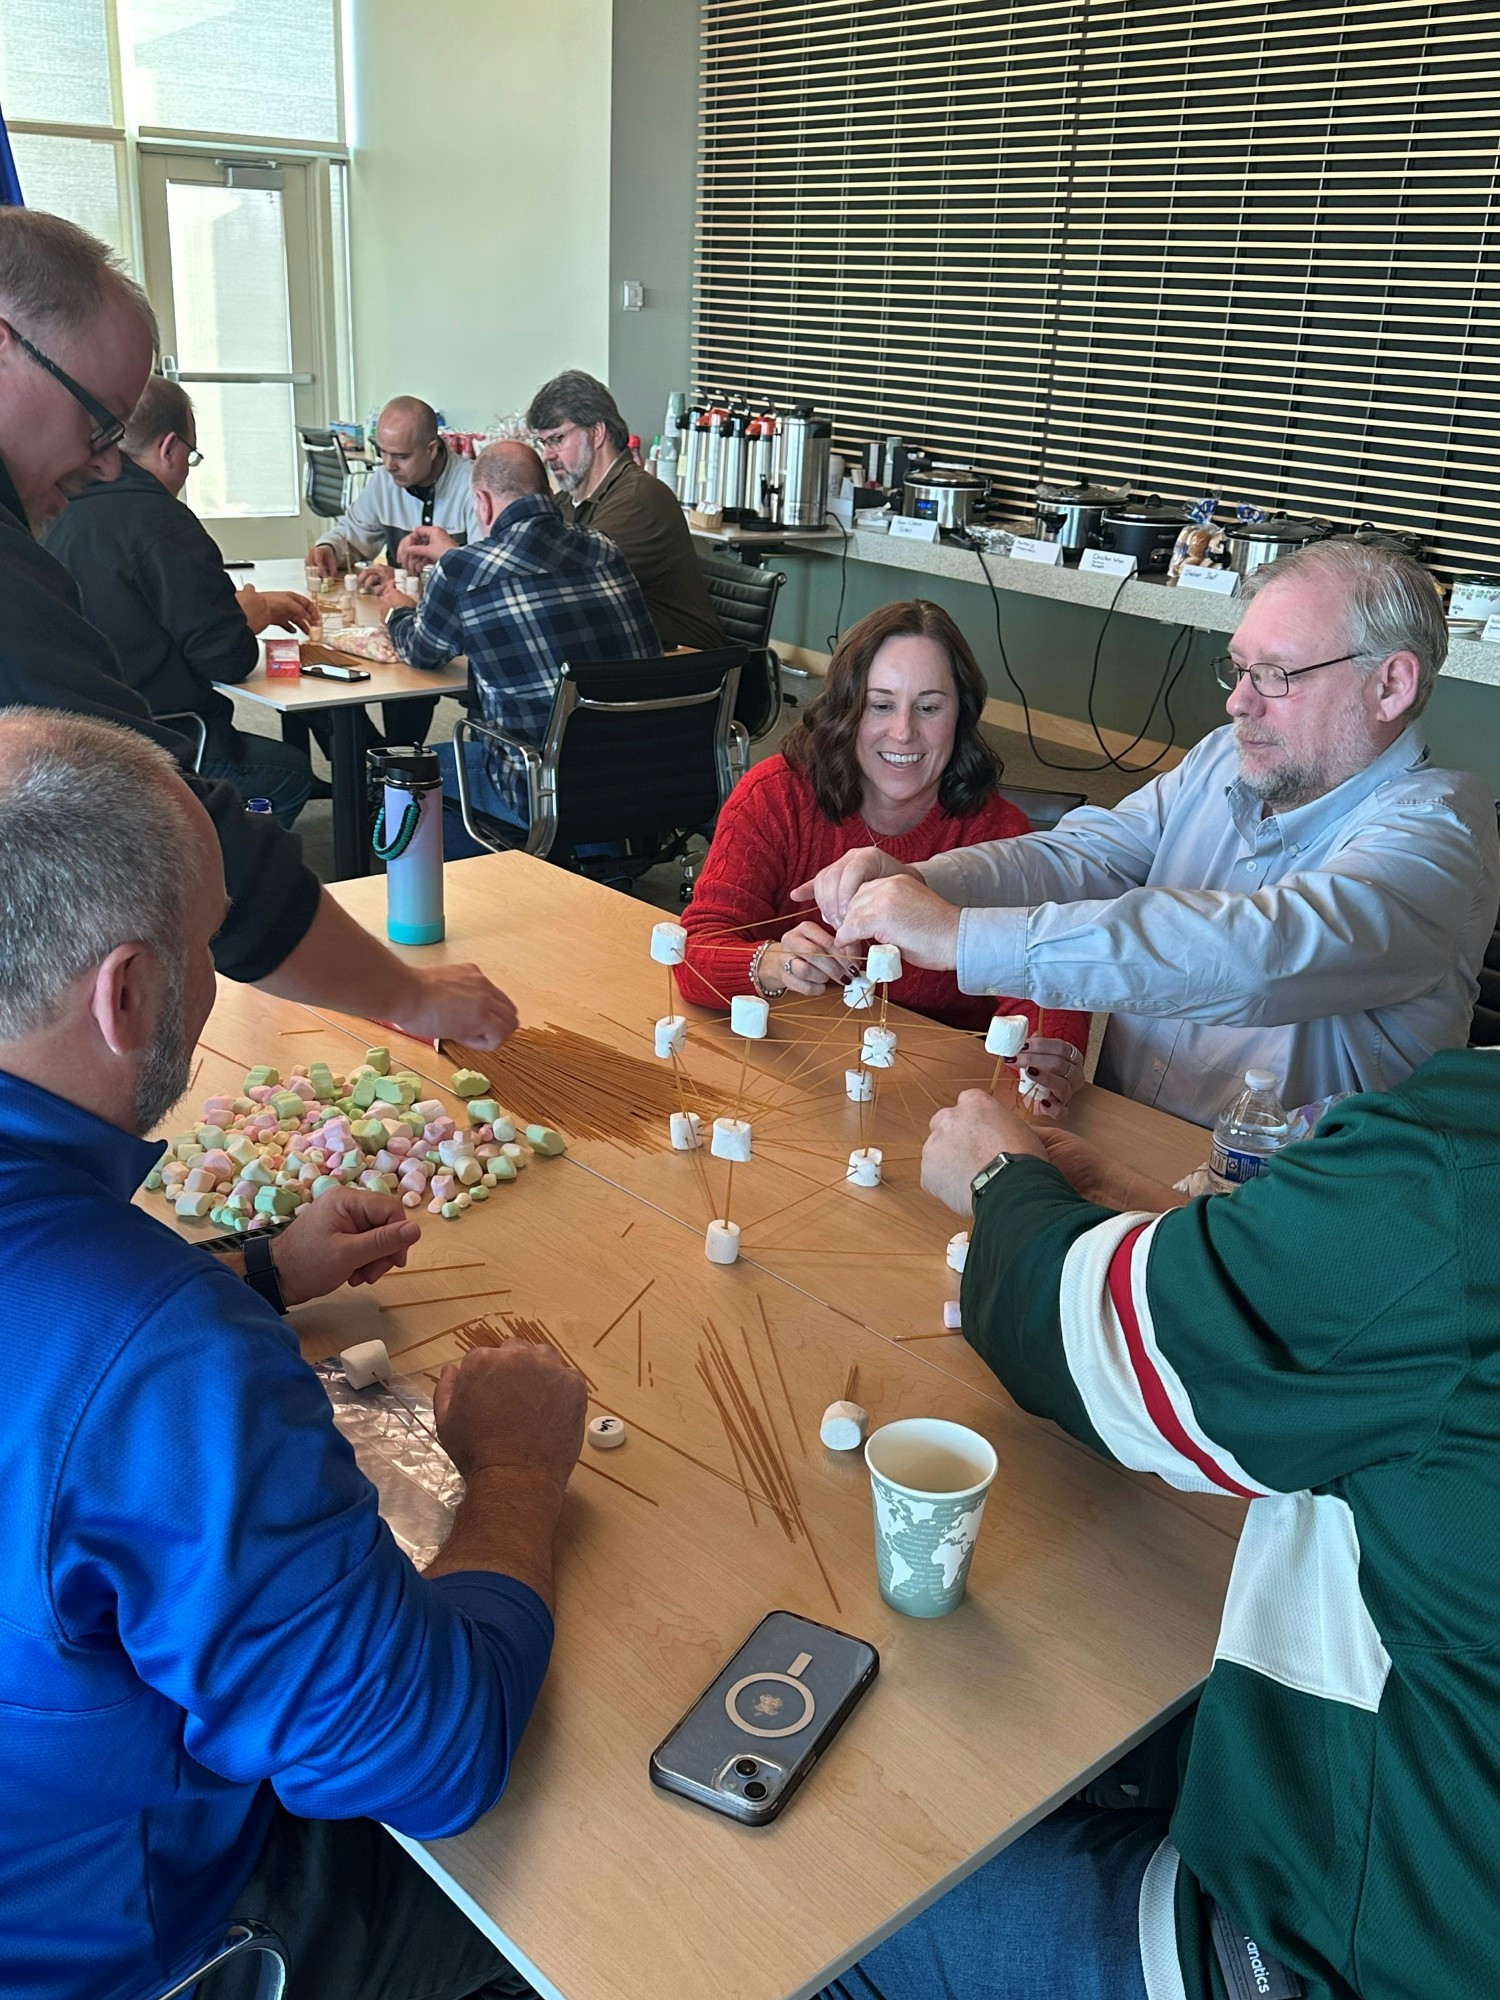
<point x="1171" y="674"/>
<point x="838" y="616"/>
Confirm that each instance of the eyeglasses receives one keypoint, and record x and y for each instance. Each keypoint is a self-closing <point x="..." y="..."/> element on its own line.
<point x="550" y="440"/>
<point x="195" y="459"/>
<point x="1269" y="682"/>
<point x="108" y="428"/>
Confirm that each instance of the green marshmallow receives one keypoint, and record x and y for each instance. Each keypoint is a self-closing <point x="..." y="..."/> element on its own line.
<point x="395" y="1090"/>
<point x="479" y="1192"/>
<point x="262" y="1077"/>
<point x="469" y="1083"/>
<point x="238" y="1204"/>
<point x="152" y="1181"/>
<point x="353" y="1161"/>
<point x="364" y="1092"/>
<point x="379" y="1061"/>
<point x="186" y="1149"/>
<point x="275" y="1201"/>
<point x="196" y="1205"/>
<point x="501" y="1170"/>
<point x="259" y="1174"/>
<point x="244" y="1106"/>
<point x="324" y="1184"/>
<point x="451" y="1211"/>
<point x="210" y="1136"/>
<point x="241" y="1150"/>
<point x="320" y="1076"/>
<point x="370" y="1133"/>
<point x="542" y="1139"/>
<point x="483" y="1111"/>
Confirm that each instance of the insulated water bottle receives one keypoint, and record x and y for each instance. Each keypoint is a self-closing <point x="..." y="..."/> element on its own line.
<point x="409" y="840"/>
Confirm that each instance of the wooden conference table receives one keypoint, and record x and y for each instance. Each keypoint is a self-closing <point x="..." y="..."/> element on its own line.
<point x="346" y="703"/>
<point x="1094" y="1597"/>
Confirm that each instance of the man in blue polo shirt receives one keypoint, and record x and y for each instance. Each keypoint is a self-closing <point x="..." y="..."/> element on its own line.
<point x="216" y="1667"/>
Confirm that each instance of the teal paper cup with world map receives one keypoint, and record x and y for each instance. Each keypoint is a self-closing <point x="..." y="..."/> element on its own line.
<point x="928" y="1480"/>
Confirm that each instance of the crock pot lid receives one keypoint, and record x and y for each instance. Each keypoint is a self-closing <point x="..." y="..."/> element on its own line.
<point x="1081" y="493"/>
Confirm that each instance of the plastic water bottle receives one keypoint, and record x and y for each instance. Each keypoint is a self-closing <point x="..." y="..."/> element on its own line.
<point x="257" y="806"/>
<point x="1248" y="1131"/>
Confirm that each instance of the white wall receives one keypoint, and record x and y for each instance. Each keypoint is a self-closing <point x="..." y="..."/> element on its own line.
<point x="479" y="212"/>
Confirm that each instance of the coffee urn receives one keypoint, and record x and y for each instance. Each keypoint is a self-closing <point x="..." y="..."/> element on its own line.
<point x="760" y="462"/>
<point x="732" y="479"/>
<point x="800" y="481"/>
<point x="713" y="424"/>
<point x="690" y="455"/>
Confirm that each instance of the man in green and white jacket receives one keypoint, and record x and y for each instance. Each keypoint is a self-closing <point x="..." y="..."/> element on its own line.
<point x="1326" y="1342"/>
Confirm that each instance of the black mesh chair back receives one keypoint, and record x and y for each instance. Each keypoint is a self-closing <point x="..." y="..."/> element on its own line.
<point x="1484" y="1029"/>
<point x="637" y="753"/>
<point x="1043" y="809"/>
<point x="325" y="483"/>
<point x="745" y="600"/>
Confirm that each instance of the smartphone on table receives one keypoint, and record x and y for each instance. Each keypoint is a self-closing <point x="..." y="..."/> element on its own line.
<point x="756" y="1731"/>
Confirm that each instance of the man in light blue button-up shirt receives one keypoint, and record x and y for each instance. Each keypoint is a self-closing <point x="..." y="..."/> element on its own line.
<point x="1304" y="893"/>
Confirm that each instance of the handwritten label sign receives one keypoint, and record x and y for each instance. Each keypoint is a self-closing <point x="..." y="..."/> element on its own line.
<point x="1204" y="576"/>
<point x="1026" y="548"/>
<point x="907" y="528"/>
<point x="1491" y="632"/>
<point x="1113" y="562"/>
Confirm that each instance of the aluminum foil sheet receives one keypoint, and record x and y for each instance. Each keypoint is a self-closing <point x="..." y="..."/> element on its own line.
<point x="418" y="1484"/>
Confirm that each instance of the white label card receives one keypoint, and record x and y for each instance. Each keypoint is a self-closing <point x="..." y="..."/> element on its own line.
<point x="1113" y="562"/>
<point x="906" y="527"/>
<point x="1026" y="548"/>
<point x="1204" y="576"/>
<point x="1491" y="632"/>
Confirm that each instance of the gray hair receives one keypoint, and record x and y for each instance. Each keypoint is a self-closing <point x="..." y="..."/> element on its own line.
<point x="56" y="278"/>
<point x="163" y="407"/>
<point x="1390" y="602"/>
<point x="97" y="850"/>
<point x="576" y="398"/>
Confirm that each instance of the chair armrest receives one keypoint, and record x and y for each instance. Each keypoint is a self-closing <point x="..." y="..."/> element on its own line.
<point x="193" y="725"/>
<point x="739" y="751"/>
<point x="468" y="731"/>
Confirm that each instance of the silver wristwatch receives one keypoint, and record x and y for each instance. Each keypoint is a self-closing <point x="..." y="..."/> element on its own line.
<point x="988" y="1173"/>
<point x="766" y="992"/>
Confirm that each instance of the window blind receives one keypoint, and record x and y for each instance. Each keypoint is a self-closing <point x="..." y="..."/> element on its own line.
<point x="1246" y="246"/>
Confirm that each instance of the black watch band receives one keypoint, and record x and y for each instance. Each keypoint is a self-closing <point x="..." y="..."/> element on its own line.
<point x="260" y="1272"/>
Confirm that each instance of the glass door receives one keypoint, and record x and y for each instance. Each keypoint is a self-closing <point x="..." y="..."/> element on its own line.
<point x="230" y="267"/>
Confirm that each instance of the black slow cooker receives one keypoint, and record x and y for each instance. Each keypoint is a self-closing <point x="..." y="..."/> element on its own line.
<point x="1145" y="529"/>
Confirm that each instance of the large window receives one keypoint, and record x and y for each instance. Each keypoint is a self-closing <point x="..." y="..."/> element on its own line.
<point x="1246" y="245"/>
<point x="242" y="243"/>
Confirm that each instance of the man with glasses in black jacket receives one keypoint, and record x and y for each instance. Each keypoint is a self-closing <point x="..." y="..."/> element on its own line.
<point x="76" y="343"/>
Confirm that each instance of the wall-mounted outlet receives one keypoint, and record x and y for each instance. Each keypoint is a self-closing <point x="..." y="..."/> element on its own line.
<point x="632" y="295"/>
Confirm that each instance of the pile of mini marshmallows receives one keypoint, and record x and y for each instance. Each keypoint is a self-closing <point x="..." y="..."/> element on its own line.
<point x="257" y="1158"/>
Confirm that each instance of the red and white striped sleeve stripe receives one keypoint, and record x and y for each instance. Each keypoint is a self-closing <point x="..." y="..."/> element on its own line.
<point x="1133" y="1395"/>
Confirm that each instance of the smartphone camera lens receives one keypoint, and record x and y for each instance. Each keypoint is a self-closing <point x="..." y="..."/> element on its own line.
<point x="755" y="1789"/>
<point x="747" y="1767"/>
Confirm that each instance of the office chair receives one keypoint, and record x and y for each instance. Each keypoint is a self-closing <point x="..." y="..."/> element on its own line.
<point x="632" y="746"/>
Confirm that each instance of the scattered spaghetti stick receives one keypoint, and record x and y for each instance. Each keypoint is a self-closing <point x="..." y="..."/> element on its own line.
<point x="780" y="1375"/>
<point x="852" y="1384"/>
<point x="441" y="1298"/>
<point x="623" y="1310"/>
<point x="589" y="1466"/>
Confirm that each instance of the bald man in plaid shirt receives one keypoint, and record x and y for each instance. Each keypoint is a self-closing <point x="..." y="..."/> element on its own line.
<point x="523" y="601"/>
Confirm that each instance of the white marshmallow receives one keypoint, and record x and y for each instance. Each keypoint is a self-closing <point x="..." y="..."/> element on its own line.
<point x="843" y="1426"/>
<point x="882" y="964"/>
<point x="606" y="1433"/>
<point x="687" y="1131"/>
<point x="731" y="1139"/>
<point x="879" y="1048"/>
<point x="859" y="1085"/>
<point x="1006" y="1034"/>
<point x="958" y="1250"/>
<point x="668" y="943"/>
<point x="1027" y="1086"/>
<point x="858" y="990"/>
<point x="864" y="1166"/>
<point x="671" y="1033"/>
<point x="367" y="1363"/>
<point x="748" y="1015"/>
<point x="952" y="1317"/>
<point x="721" y="1245"/>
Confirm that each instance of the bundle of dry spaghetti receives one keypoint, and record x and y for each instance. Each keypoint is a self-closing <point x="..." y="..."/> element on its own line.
<point x="587" y="1089"/>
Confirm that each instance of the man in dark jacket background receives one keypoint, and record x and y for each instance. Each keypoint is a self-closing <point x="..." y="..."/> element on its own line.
<point x="153" y="581"/>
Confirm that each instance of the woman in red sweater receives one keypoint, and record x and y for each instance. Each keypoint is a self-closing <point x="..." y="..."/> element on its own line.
<point x="889" y="755"/>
